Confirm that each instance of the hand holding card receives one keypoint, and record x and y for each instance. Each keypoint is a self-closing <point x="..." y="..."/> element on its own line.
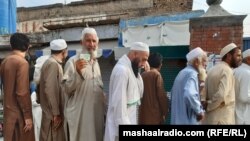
<point x="85" y="57"/>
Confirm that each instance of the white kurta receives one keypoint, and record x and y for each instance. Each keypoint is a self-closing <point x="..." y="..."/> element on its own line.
<point x="38" y="66"/>
<point x="37" y="115"/>
<point x="84" y="109"/>
<point x="125" y="91"/>
<point x="242" y="94"/>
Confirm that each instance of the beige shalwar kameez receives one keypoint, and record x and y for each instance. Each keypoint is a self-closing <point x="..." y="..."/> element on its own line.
<point x="220" y="95"/>
<point x="84" y="109"/>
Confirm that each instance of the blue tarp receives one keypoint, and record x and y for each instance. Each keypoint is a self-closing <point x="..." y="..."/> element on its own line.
<point x="7" y="16"/>
<point x="105" y="53"/>
<point x="246" y="43"/>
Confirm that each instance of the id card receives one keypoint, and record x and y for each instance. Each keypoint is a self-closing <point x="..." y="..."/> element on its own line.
<point x="84" y="56"/>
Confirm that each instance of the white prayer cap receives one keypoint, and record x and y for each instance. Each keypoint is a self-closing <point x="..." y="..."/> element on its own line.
<point x="195" y="53"/>
<point x="88" y="30"/>
<point x="246" y="53"/>
<point x="139" y="46"/>
<point x="227" y="49"/>
<point x="58" y="44"/>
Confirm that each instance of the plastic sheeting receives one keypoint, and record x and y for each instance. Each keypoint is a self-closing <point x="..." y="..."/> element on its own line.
<point x="7" y="16"/>
<point x="101" y="52"/>
<point x="164" y="34"/>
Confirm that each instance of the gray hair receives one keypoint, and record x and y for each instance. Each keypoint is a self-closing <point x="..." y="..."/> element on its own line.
<point x="89" y="30"/>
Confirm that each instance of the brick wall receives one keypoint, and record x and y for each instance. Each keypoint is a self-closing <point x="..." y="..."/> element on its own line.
<point x="173" y="4"/>
<point x="134" y="8"/>
<point x="213" y="33"/>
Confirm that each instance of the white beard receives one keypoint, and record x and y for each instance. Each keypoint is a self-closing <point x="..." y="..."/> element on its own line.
<point x="94" y="54"/>
<point x="84" y="50"/>
<point x="202" y="73"/>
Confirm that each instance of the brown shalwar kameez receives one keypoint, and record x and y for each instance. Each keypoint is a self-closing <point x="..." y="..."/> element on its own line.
<point x="17" y="102"/>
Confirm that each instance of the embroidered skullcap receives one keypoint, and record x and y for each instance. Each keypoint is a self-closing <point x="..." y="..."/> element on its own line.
<point x="246" y="53"/>
<point x="58" y="44"/>
<point x="194" y="53"/>
<point x="139" y="46"/>
<point x="227" y="49"/>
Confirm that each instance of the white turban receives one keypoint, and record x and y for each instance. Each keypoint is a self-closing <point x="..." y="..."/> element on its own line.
<point x="227" y="49"/>
<point x="246" y="53"/>
<point x="58" y="44"/>
<point x="88" y="30"/>
<point x="139" y="46"/>
<point x="195" y="53"/>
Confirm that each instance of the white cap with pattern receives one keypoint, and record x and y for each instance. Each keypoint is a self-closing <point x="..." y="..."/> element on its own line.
<point x="246" y="53"/>
<point x="227" y="49"/>
<point x="58" y="44"/>
<point x="139" y="46"/>
<point x="195" y="53"/>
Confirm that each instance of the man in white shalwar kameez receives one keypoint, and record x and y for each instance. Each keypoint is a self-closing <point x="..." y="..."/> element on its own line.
<point x="242" y="90"/>
<point x="125" y="90"/>
<point x="84" y="109"/>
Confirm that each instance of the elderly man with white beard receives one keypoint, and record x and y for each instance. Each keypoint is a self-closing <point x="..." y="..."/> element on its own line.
<point x="186" y="107"/>
<point x="84" y="109"/>
<point x="125" y="90"/>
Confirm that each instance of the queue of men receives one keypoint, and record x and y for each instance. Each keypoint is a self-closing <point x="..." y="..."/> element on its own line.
<point x="73" y="101"/>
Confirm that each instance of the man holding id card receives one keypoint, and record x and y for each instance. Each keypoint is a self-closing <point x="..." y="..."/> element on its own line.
<point x="84" y="110"/>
